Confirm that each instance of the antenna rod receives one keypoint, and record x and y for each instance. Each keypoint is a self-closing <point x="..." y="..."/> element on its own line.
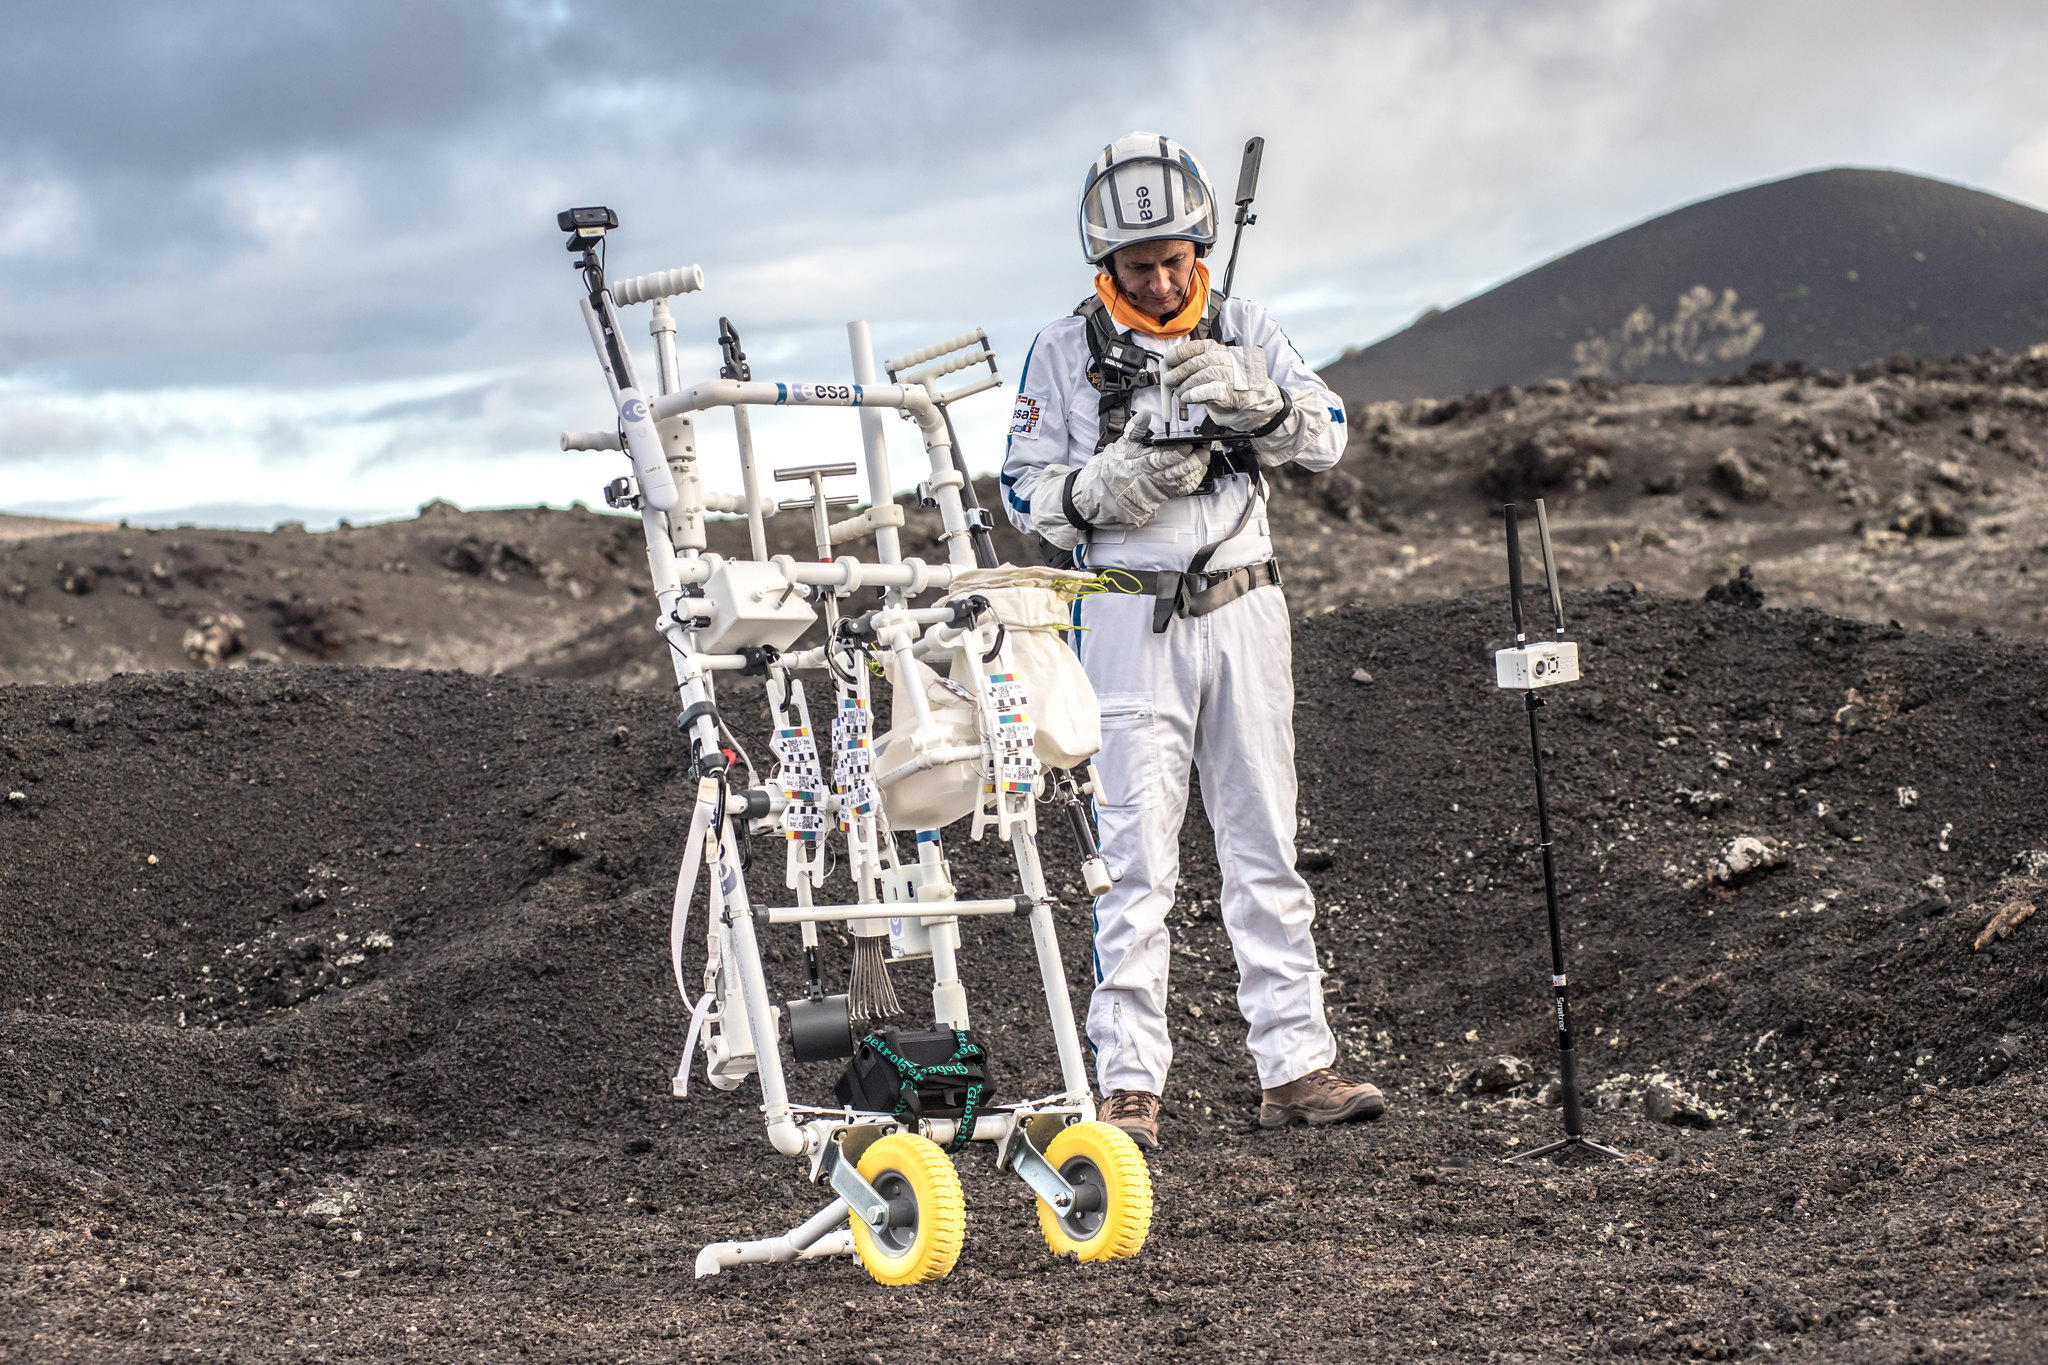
<point x="1247" y="188"/>
<point x="1550" y="568"/>
<point x="1515" y="575"/>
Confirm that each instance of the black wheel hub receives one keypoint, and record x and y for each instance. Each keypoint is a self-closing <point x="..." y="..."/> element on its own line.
<point x="1091" y="1198"/>
<point x="897" y="1238"/>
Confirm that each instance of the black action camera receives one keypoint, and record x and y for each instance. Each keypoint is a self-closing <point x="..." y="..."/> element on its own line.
<point x="576" y="220"/>
<point x="586" y="225"/>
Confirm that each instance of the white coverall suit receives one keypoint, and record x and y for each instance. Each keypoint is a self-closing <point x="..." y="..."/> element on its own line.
<point x="1214" y="689"/>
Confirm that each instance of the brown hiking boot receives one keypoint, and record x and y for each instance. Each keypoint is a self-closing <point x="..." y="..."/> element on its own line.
<point x="1321" y="1097"/>
<point x="1134" y="1111"/>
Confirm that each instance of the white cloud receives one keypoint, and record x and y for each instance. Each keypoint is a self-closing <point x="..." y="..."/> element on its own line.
<point x="117" y="453"/>
<point x="296" y="214"/>
<point x="39" y="219"/>
<point x="2024" y="173"/>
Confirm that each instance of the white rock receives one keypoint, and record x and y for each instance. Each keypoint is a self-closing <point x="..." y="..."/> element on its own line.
<point x="1746" y="859"/>
<point x="214" y="639"/>
<point x="329" y="1204"/>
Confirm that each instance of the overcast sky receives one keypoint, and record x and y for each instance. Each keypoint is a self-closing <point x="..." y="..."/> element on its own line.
<point x="300" y="259"/>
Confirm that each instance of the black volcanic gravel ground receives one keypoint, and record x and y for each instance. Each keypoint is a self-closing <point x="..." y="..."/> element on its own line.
<point x="236" y="1125"/>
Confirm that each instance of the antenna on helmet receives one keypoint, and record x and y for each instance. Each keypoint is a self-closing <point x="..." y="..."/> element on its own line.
<point x="1247" y="187"/>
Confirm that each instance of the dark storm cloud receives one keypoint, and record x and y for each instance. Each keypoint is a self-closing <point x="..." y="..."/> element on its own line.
<point x="152" y="93"/>
<point x="163" y="91"/>
<point x="265" y="183"/>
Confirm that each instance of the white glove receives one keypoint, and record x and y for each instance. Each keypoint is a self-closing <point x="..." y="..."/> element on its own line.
<point x="1229" y="380"/>
<point x="1123" y="486"/>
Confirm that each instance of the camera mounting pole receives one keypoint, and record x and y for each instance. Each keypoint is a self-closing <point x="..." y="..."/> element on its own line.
<point x="1247" y="189"/>
<point x="1560" y="994"/>
<point x="587" y="228"/>
<point x="637" y="436"/>
<point x="736" y="367"/>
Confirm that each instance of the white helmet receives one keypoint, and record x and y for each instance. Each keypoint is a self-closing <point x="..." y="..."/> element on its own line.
<point x="1145" y="188"/>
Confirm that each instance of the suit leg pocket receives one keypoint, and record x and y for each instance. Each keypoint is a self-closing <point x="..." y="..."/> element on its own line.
<point x="1128" y="764"/>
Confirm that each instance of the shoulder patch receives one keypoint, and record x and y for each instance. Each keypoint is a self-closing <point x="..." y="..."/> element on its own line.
<point x="1024" y="417"/>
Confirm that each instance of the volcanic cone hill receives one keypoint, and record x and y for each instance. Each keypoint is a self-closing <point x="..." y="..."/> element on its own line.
<point x="1833" y="268"/>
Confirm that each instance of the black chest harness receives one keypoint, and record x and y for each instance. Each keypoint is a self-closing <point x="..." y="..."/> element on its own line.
<point x="1118" y="368"/>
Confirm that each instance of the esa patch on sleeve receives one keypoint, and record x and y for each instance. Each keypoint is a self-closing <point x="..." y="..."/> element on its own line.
<point x="1024" y="417"/>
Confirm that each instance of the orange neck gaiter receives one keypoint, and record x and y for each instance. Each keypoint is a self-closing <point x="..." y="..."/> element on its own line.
<point x="1128" y="315"/>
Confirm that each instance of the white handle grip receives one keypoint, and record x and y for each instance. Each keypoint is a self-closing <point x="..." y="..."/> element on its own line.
<point x="661" y="284"/>
<point x="975" y="337"/>
<point x="981" y="385"/>
<point x="590" y="440"/>
<point x="940" y="369"/>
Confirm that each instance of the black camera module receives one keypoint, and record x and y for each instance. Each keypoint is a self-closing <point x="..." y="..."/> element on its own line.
<point x="583" y="221"/>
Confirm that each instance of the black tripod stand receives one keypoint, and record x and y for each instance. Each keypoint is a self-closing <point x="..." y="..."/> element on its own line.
<point x="1537" y="668"/>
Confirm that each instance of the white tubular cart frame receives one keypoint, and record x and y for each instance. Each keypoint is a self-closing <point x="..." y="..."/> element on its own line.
<point x="735" y="1015"/>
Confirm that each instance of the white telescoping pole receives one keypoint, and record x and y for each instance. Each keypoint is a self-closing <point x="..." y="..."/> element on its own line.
<point x="889" y="550"/>
<point x="737" y="920"/>
<point x="662" y="327"/>
<point x="750" y="484"/>
<point x="946" y="480"/>
<point x="881" y="490"/>
<point x="1051" y="971"/>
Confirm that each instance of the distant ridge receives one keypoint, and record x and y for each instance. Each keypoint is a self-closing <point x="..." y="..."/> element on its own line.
<point x="14" y="528"/>
<point x="1834" y="267"/>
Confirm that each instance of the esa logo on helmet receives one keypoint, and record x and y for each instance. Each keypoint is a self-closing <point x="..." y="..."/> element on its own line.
<point x="633" y="410"/>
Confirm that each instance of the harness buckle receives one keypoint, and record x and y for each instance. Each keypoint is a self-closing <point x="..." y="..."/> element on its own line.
<point x="1126" y="367"/>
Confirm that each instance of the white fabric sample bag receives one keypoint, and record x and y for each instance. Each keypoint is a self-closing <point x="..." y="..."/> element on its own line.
<point x="1035" y="618"/>
<point x="939" y="795"/>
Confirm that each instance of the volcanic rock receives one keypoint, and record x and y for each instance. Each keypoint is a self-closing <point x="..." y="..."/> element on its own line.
<point x="2018" y="894"/>
<point x="1746" y="859"/>
<point x="1739" y="591"/>
<point x="214" y="639"/>
<point x="1661" y="1104"/>
<point x="1701" y="802"/>
<point x="1741" y="482"/>
<point x="1498" y="1074"/>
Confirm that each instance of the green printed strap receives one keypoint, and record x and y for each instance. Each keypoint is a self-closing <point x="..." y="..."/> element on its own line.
<point x="952" y="1066"/>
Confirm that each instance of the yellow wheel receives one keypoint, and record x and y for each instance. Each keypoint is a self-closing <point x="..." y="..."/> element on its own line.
<point x="1113" y="1193"/>
<point x="927" y="1212"/>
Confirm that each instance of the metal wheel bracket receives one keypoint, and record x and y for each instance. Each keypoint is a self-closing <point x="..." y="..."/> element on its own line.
<point x="1022" y="1151"/>
<point x="847" y="1134"/>
<point x="839" y="1167"/>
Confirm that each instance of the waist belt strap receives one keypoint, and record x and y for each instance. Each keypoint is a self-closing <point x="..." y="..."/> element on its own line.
<point x="1198" y="594"/>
